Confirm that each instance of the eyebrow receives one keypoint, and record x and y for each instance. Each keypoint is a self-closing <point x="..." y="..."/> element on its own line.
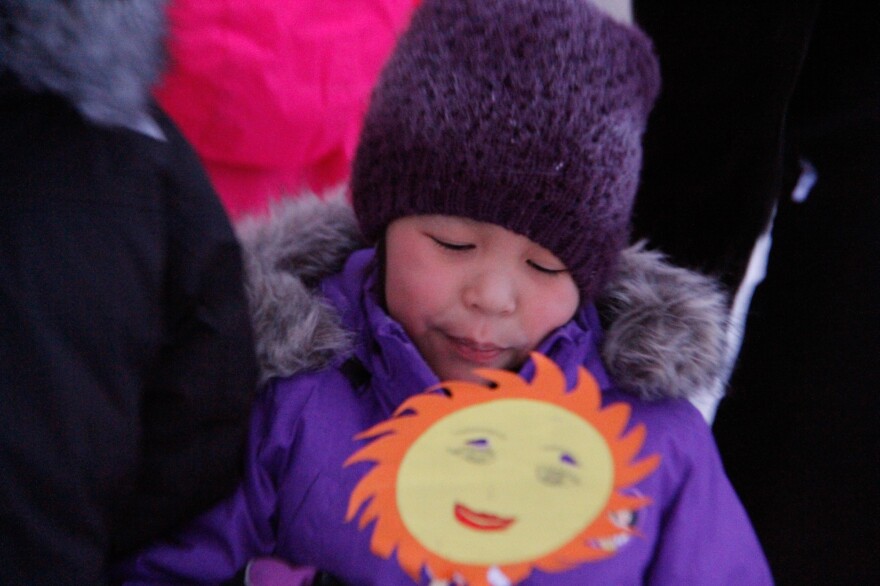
<point x="566" y="455"/>
<point x="443" y="220"/>
<point x="485" y="430"/>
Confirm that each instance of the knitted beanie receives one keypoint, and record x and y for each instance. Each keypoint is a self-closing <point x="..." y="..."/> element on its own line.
<point x="527" y="114"/>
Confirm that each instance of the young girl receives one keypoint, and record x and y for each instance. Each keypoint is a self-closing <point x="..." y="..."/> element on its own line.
<point x="495" y="176"/>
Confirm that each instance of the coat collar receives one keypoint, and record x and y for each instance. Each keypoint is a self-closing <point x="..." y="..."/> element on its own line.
<point x="664" y="326"/>
<point x="395" y="364"/>
<point x="381" y="345"/>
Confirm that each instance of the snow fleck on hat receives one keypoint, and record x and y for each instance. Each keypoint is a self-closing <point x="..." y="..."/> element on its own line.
<point x="524" y="114"/>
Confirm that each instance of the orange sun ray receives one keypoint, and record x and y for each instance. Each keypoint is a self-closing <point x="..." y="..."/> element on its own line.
<point x="375" y="498"/>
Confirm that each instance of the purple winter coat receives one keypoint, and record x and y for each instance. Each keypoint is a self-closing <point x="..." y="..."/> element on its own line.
<point x="293" y="501"/>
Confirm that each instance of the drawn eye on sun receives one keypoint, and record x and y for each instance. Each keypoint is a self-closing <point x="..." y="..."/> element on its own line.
<point x="515" y="477"/>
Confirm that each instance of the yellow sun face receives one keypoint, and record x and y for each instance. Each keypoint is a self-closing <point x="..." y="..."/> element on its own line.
<point x="520" y="476"/>
<point x="454" y="485"/>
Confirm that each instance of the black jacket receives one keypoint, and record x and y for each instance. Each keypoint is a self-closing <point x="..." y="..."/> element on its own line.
<point x="126" y="353"/>
<point x="752" y="89"/>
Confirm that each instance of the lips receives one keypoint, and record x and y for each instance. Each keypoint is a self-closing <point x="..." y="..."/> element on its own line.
<point x="481" y="521"/>
<point x="475" y="352"/>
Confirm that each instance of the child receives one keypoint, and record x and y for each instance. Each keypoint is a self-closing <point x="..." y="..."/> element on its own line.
<point x="495" y="176"/>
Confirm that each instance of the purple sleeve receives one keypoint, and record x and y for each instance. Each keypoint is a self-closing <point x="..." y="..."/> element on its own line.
<point x="220" y="543"/>
<point x="706" y="536"/>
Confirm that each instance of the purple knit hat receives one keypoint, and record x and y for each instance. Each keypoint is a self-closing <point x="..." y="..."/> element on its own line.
<point x="523" y="113"/>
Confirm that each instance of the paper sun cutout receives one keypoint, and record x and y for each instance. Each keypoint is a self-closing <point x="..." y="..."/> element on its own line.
<point x="517" y="477"/>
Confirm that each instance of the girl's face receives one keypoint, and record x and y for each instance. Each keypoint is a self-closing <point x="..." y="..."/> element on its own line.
<point x="472" y="294"/>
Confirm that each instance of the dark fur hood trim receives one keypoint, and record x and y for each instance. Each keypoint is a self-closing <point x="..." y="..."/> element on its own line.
<point x="666" y="325"/>
<point x="285" y="255"/>
<point x="102" y="57"/>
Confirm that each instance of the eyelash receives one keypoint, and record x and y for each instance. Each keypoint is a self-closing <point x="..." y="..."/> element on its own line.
<point x="452" y="247"/>
<point x="475" y="454"/>
<point x="545" y="270"/>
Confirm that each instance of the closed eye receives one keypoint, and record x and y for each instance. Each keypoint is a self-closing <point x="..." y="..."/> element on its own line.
<point x="451" y="245"/>
<point x="556" y="476"/>
<point x="475" y="452"/>
<point x="544" y="269"/>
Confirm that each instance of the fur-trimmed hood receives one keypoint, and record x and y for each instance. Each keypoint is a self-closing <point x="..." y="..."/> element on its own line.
<point x="665" y="333"/>
<point x="102" y="57"/>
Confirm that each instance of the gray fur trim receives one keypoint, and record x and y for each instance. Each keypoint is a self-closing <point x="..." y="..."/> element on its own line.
<point x="285" y="255"/>
<point x="101" y="56"/>
<point x="667" y="324"/>
<point x="667" y="336"/>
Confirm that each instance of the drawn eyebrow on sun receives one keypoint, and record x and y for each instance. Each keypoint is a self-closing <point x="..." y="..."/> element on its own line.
<point x="480" y="430"/>
<point x="565" y="455"/>
<point x="479" y="507"/>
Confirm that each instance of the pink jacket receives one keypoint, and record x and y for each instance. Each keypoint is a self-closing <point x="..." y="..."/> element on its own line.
<point x="272" y="92"/>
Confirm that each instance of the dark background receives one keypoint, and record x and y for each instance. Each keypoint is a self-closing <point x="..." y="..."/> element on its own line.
<point x="749" y="92"/>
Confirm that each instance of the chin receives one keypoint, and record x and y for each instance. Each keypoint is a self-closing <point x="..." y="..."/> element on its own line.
<point x="470" y="376"/>
<point x="465" y="372"/>
<point x="456" y="372"/>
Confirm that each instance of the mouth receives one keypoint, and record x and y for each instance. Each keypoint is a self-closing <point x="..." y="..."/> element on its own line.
<point x="476" y="352"/>
<point x="481" y="521"/>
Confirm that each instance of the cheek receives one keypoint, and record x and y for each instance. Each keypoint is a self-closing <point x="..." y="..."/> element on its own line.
<point x="413" y="294"/>
<point x="551" y="308"/>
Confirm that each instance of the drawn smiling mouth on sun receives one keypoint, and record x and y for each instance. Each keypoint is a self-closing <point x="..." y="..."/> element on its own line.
<point x="481" y="521"/>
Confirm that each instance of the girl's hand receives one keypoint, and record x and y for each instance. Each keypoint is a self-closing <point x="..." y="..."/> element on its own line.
<point x="276" y="572"/>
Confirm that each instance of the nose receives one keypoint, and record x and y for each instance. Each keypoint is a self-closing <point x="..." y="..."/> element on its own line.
<point x="491" y="291"/>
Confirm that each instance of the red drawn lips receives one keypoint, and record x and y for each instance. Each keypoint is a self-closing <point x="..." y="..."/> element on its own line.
<point x="481" y="521"/>
<point x="475" y="352"/>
